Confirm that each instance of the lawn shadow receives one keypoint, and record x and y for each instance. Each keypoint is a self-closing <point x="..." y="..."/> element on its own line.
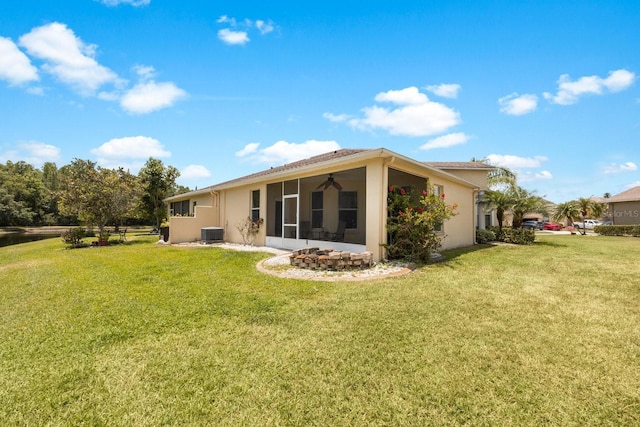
<point x="449" y="256"/>
<point x="452" y="254"/>
<point x="550" y="244"/>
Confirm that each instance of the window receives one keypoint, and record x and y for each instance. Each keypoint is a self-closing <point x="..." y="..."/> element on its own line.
<point x="180" y="208"/>
<point x="255" y="205"/>
<point x="348" y="208"/>
<point x="317" y="204"/>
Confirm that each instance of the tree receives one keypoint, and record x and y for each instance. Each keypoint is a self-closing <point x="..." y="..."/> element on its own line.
<point x="598" y="209"/>
<point x="501" y="202"/>
<point x="568" y="211"/>
<point x="158" y="182"/>
<point x="524" y="201"/>
<point x="96" y="195"/>
<point x="499" y="176"/>
<point x="30" y="202"/>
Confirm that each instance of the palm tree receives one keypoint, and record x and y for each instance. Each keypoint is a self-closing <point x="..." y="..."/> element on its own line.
<point x="524" y="201"/>
<point x="598" y="209"/>
<point x="499" y="176"/>
<point x="501" y="202"/>
<point x="568" y="211"/>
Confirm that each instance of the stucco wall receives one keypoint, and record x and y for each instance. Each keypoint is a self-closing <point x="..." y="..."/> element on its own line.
<point x="235" y="207"/>
<point x="459" y="231"/>
<point x="625" y="213"/>
<point x="187" y="228"/>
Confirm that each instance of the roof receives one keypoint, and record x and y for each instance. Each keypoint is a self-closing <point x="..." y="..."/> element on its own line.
<point x="460" y="165"/>
<point x="631" y="195"/>
<point x="321" y="158"/>
<point x="331" y="158"/>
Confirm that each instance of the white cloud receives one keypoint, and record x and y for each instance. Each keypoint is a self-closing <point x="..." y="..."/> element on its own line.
<point x="67" y="57"/>
<point x="516" y="162"/>
<point x="518" y="105"/>
<point x="632" y="185"/>
<point x="233" y="37"/>
<point x="415" y="116"/>
<point x="35" y="153"/>
<point x="445" y="90"/>
<point x="618" y="168"/>
<point x="144" y="72"/>
<point x="248" y="149"/>
<point x="336" y="118"/>
<point x="525" y="177"/>
<point x="264" y="27"/>
<point x="237" y="32"/>
<point x="224" y="19"/>
<point x="194" y="172"/>
<point x="570" y="91"/>
<point x="130" y="147"/>
<point x="151" y="96"/>
<point x="446" y="141"/>
<point x="32" y="152"/>
<point x="286" y="152"/>
<point x="15" y="66"/>
<point x="407" y="96"/>
<point x="135" y="3"/>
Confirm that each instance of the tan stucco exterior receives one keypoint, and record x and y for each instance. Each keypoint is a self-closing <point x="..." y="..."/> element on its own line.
<point x="367" y="174"/>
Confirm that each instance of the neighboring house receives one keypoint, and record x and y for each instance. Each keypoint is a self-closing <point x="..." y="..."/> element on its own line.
<point x="476" y="173"/>
<point x="344" y="192"/>
<point x="624" y="208"/>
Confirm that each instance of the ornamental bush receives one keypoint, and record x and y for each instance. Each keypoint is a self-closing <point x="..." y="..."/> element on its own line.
<point x="414" y="223"/>
<point x="73" y="237"/>
<point x="618" y="230"/>
<point x="485" y="236"/>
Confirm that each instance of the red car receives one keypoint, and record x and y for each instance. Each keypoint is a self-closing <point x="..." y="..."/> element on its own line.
<point x="552" y="226"/>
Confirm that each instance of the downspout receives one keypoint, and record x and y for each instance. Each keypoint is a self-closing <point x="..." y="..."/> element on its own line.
<point x="476" y="213"/>
<point x="216" y="196"/>
<point x="383" y="224"/>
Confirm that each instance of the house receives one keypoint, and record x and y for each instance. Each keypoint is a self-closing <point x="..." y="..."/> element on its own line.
<point x="338" y="196"/>
<point x="624" y="208"/>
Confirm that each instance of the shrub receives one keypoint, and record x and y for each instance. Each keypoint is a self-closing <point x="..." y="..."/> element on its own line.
<point x="521" y="236"/>
<point x="414" y="223"/>
<point x="249" y="229"/>
<point x="618" y="230"/>
<point x="517" y="236"/>
<point x="73" y="237"/>
<point x="485" y="236"/>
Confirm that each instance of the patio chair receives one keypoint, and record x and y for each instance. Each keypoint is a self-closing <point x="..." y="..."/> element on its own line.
<point x="338" y="236"/>
<point x="305" y="229"/>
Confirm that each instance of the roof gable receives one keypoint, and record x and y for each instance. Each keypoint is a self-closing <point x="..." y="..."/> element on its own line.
<point x="332" y="155"/>
<point x="630" y="195"/>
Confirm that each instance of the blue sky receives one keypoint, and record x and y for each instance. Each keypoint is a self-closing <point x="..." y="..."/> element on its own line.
<point x="223" y="89"/>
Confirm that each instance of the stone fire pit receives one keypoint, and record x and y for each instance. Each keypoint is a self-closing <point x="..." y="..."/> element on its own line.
<point x="331" y="260"/>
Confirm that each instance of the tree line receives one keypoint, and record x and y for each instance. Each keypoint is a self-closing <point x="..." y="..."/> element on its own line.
<point x="83" y="192"/>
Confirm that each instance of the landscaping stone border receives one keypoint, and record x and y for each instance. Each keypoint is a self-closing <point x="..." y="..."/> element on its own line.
<point x="330" y="259"/>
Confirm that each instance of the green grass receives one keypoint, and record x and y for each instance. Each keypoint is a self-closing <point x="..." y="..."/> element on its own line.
<point x="143" y="334"/>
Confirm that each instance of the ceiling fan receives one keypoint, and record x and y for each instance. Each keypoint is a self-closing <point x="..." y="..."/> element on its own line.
<point x="330" y="182"/>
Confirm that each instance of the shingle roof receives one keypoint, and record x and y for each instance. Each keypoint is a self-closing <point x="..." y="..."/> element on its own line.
<point x="334" y="155"/>
<point x="459" y="165"/>
<point x="631" y="195"/>
<point x="298" y="164"/>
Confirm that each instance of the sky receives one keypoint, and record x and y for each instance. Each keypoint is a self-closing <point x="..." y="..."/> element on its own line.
<point x="222" y="89"/>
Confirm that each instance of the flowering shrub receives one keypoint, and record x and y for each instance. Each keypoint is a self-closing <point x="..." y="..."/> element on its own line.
<point x="249" y="229"/>
<point x="414" y="221"/>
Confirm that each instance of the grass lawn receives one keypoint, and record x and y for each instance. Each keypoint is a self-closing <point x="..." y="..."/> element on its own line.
<point x="143" y="334"/>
